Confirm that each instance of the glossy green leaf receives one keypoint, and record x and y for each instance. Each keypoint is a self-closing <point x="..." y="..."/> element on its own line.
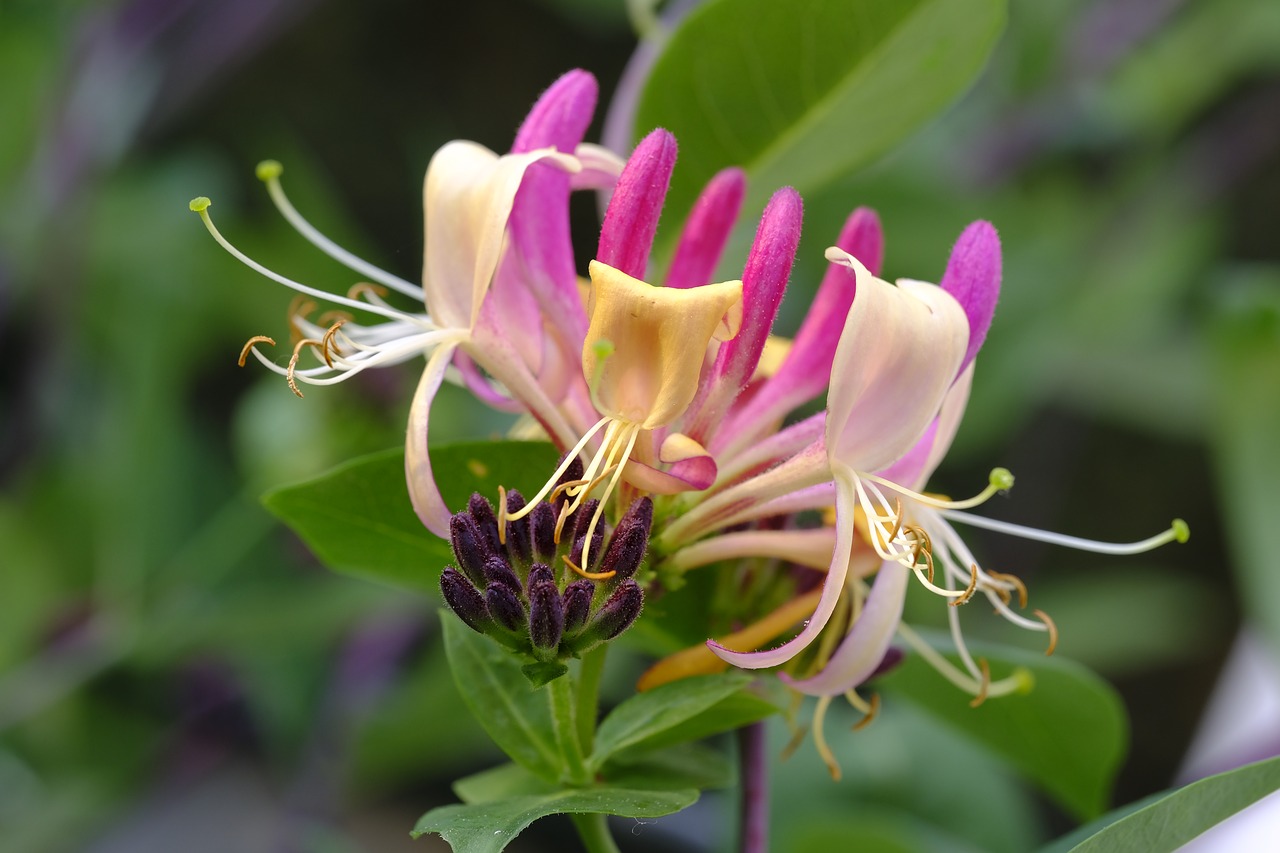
<point x="653" y="712"/>
<point x="1068" y="734"/>
<point x="516" y="716"/>
<point x="358" y="520"/>
<point x="1167" y="821"/>
<point x="490" y="827"/>
<point x="804" y="92"/>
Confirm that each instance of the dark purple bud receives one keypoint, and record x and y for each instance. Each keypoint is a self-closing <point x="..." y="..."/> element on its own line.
<point x="519" y="534"/>
<point x="618" y="612"/>
<point x="541" y="573"/>
<point x="498" y="570"/>
<point x="504" y="606"/>
<point x="577" y="604"/>
<point x="546" y="616"/>
<point x="630" y="539"/>
<point x="486" y="521"/>
<point x="469" y="546"/>
<point x="542" y="522"/>
<point x="571" y="474"/>
<point x="464" y="599"/>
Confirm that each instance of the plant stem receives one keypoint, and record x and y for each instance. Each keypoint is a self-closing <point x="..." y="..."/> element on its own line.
<point x="753" y="758"/>
<point x="562" y="705"/>
<point x="588" y="699"/>
<point x="593" y="829"/>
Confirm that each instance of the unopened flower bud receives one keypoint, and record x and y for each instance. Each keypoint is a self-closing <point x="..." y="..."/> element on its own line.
<point x="618" y="612"/>
<point x="464" y="599"/>
<point x="577" y="604"/>
<point x="542" y="522"/>
<point x="630" y="539"/>
<point x="486" y="521"/>
<point x="470" y="547"/>
<point x="541" y="573"/>
<point x="519" y="542"/>
<point x="546" y="616"/>
<point x="497" y="570"/>
<point x="504" y="606"/>
<point x="572" y="473"/>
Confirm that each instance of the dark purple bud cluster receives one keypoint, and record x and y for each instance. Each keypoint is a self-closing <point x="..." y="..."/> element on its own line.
<point x="519" y="589"/>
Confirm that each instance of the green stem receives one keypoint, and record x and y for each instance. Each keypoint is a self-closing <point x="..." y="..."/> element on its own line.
<point x="593" y="829"/>
<point x="566" y="732"/>
<point x="588" y="705"/>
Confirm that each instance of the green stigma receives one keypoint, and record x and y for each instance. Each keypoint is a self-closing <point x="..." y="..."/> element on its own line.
<point x="199" y="204"/>
<point x="269" y="170"/>
<point x="1025" y="680"/>
<point x="1181" y="531"/>
<point x="1002" y="479"/>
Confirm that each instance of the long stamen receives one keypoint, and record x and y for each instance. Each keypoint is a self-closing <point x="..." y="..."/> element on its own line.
<point x="201" y="206"/>
<point x="1019" y="681"/>
<point x="1177" y="532"/>
<point x="269" y="172"/>
<point x="820" y="740"/>
<point x="504" y="517"/>
<point x="1000" y="481"/>
<point x="616" y="463"/>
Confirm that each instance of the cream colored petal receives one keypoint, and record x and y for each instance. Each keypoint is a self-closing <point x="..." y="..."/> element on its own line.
<point x="898" y="354"/>
<point x="657" y="339"/>
<point x="467" y="198"/>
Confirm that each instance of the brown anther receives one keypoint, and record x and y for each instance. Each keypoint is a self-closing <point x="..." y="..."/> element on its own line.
<point x="256" y="339"/>
<point x="970" y="589"/>
<point x="1052" y="628"/>
<point x="591" y="576"/>
<point x="897" y="520"/>
<point x="366" y="287"/>
<point x="1005" y="596"/>
<point x="328" y="341"/>
<point x="797" y="738"/>
<point x="293" y="361"/>
<point x="334" y="315"/>
<point x="916" y="554"/>
<point x="985" y="686"/>
<point x="1016" y="583"/>
<point x="298" y="309"/>
<point x="871" y="714"/>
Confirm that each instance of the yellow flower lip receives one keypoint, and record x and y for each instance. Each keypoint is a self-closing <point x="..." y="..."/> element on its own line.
<point x="657" y="340"/>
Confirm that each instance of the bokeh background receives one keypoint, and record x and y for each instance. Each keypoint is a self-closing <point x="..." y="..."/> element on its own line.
<point x="176" y="672"/>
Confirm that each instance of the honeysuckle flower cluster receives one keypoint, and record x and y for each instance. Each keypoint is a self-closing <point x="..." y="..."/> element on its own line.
<point x="676" y="397"/>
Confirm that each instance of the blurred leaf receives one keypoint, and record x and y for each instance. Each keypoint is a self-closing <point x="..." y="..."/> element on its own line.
<point x="490" y="827"/>
<point x="1168" y="821"/>
<point x="805" y="92"/>
<point x="1068" y="734"/>
<point x="732" y="712"/>
<point x="358" y="520"/>
<point x="689" y="765"/>
<point x="517" y="717"/>
<point x="1245" y="427"/>
<point x="653" y="712"/>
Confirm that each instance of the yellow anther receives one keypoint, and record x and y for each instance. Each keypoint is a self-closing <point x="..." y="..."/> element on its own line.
<point x="565" y="511"/>
<point x="199" y="204"/>
<point x="984" y="686"/>
<point x="1052" y="628"/>
<point x="871" y="714"/>
<point x="269" y="170"/>
<point x="592" y="576"/>
<point x="256" y="339"/>
<point x="970" y="589"/>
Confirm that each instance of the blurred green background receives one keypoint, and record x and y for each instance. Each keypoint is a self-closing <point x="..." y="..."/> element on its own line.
<point x="175" y="668"/>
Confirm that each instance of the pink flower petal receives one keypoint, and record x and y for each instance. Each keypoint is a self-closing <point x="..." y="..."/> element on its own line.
<point x="423" y="492"/>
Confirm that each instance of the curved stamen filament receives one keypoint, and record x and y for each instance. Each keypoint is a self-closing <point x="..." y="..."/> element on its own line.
<point x="970" y="589"/>
<point x="985" y="688"/>
<point x="591" y="576"/>
<point x="551" y="484"/>
<point x="1000" y="481"/>
<point x="1177" y="532"/>
<point x="1018" y="681"/>
<point x="820" y="739"/>
<point x="1051" y="628"/>
<point x="256" y="339"/>
<point x="269" y="172"/>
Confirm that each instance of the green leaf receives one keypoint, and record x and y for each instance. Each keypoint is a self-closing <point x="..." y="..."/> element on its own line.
<point x="517" y="717"/>
<point x="1068" y="734"/>
<point x="689" y="765"/>
<point x="762" y="700"/>
<point x="358" y="520"/>
<point x="1167" y="821"/>
<point x="501" y="783"/>
<point x="489" y="827"/>
<point x="647" y="714"/>
<point x="804" y="92"/>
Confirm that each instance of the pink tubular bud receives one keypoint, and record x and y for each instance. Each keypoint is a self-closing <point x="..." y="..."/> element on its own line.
<point x="632" y="218"/>
<point x="973" y="278"/>
<point x="707" y="230"/>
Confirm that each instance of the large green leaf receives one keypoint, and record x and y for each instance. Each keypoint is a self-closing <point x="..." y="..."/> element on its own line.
<point x="804" y="92"/>
<point x="516" y="716"/>
<point x="1167" y="821"/>
<point x="647" y="714"/>
<point x="489" y="827"/>
<point x="358" y="520"/>
<point x="1068" y="733"/>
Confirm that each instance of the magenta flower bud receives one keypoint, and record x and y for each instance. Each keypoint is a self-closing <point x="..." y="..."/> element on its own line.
<point x="617" y="614"/>
<point x="469" y="546"/>
<point x="519" y="532"/>
<point x="464" y="599"/>
<point x="631" y="221"/>
<point x="546" y="616"/>
<point x="498" y="570"/>
<point x="542" y="523"/>
<point x="504" y="606"/>
<point x="973" y="278"/>
<point x="487" y="522"/>
<point x="561" y="116"/>
<point x="707" y="230"/>
<point x="577" y="604"/>
<point x="630" y="539"/>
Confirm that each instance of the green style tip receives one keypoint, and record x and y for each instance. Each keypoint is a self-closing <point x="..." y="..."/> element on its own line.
<point x="269" y="170"/>
<point x="1181" y="530"/>
<point x="1002" y="479"/>
<point x="199" y="204"/>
